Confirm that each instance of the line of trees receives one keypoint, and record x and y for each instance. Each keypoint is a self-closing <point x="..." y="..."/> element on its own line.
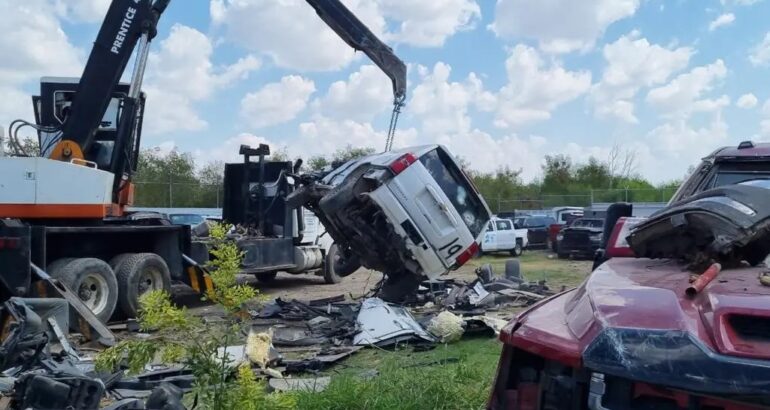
<point x="174" y="180"/>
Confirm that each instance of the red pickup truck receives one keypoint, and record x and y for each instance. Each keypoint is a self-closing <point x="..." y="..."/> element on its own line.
<point x="564" y="217"/>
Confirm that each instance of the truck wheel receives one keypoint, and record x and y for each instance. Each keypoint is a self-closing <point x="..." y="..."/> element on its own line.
<point x="93" y="281"/>
<point x="137" y="274"/>
<point x="398" y="288"/>
<point x="336" y="267"/>
<point x="517" y="249"/>
<point x="266" y="277"/>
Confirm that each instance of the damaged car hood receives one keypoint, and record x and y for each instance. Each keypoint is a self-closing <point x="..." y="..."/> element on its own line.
<point x="631" y="319"/>
<point x="728" y="225"/>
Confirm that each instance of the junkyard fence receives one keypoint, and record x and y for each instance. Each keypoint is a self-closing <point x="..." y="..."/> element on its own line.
<point x="197" y="195"/>
<point x="545" y="201"/>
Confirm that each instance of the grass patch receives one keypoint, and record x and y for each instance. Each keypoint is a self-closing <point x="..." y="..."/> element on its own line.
<point x="537" y="265"/>
<point x="456" y="376"/>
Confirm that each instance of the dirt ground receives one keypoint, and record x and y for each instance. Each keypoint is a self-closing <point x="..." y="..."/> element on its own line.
<point x="535" y="265"/>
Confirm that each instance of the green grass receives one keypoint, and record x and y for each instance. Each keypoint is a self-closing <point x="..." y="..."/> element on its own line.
<point x="455" y="376"/>
<point x="462" y="373"/>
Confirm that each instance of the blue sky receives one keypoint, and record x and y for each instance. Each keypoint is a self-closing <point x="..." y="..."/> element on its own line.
<point x="502" y="83"/>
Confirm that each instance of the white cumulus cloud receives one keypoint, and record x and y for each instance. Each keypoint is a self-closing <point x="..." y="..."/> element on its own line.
<point x="292" y="34"/>
<point x="180" y="74"/>
<point x="442" y="105"/>
<point x="277" y="103"/>
<point x="633" y="63"/>
<point x="760" y="53"/>
<point x="682" y="96"/>
<point x="429" y="23"/>
<point x="723" y="20"/>
<point x="536" y="88"/>
<point x="559" y="25"/>
<point x="747" y="101"/>
<point x="366" y="93"/>
<point x="90" y="11"/>
<point x="33" y="44"/>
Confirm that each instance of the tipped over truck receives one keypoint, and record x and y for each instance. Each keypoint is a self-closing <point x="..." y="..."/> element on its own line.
<point x="408" y="213"/>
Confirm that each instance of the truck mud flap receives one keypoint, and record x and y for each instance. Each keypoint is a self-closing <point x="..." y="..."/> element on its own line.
<point x="89" y="324"/>
<point x="197" y="276"/>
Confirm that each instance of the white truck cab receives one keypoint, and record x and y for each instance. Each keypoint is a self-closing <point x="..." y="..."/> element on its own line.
<point x="406" y="211"/>
<point x="501" y="235"/>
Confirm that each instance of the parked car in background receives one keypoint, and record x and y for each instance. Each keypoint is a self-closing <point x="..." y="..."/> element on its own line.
<point x="580" y="239"/>
<point x="564" y="217"/>
<point x="186" y="219"/>
<point x="500" y="236"/>
<point x="537" y="229"/>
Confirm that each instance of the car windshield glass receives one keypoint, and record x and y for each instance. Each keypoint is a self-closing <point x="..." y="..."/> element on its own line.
<point x="503" y="225"/>
<point x="533" y="222"/>
<point x="186" y="219"/>
<point x="759" y="183"/>
<point x="730" y="173"/>
<point x="732" y="178"/>
<point x="457" y="189"/>
<point x="588" y="223"/>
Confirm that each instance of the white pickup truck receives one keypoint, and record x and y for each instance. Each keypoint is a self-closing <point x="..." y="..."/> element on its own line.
<point x="501" y="235"/>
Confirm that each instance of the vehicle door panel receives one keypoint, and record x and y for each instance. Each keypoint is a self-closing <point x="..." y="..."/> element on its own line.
<point x="506" y="237"/>
<point x="489" y="242"/>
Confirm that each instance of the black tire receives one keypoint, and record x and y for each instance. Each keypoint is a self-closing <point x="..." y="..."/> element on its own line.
<point x="512" y="269"/>
<point x="336" y="267"/>
<point x="138" y="273"/>
<point x="266" y="277"/>
<point x="93" y="280"/>
<point x="517" y="249"/>
<point x="399" y="288"/>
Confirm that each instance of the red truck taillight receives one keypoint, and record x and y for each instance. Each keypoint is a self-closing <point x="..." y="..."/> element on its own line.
<point x="10" y="243"/>
<point x="617" y="247"/>
<point x="467" y="254"/>
<point x="403" y="162"/>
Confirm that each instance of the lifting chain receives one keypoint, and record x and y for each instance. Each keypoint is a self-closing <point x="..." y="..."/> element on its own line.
<point x="397" y="104"/>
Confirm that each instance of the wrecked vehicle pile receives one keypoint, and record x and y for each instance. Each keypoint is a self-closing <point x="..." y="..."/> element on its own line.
<point x="728" y="225"/>
<point x="675" y="315"/>
<point x="287" y="340"/>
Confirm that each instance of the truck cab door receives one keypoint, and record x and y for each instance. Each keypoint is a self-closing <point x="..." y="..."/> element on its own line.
<point x="489" y="243"/>
<point x="506" y="236"/>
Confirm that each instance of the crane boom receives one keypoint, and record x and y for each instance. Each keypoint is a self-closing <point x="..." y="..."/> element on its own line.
<point x="358" y="36"/>
<point x="126" y="24"/>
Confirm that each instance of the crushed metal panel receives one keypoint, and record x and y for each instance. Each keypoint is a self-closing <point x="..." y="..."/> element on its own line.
<point x="384" y="324"/>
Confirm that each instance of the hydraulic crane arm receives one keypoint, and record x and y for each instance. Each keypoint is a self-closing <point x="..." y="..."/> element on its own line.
<point x="126" y="24"/>
<point x="358" y="36"/>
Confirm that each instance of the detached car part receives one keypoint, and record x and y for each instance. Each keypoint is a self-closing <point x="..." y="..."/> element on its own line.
<point x="728" y="225"/>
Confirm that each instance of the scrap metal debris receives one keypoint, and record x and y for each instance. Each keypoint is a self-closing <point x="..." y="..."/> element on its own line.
<point x="286" y="338"/>
<point x="384" y="324"/>
<point x="728" y="225"/>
